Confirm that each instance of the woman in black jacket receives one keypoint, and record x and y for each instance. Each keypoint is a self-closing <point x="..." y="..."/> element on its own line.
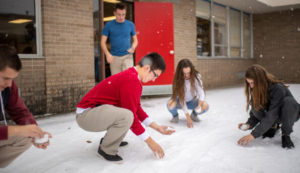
<point x="271" y="104"/>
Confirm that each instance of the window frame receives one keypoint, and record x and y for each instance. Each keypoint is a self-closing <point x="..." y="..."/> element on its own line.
<point x="38" y="25"/>
<point x="212" y="36"/>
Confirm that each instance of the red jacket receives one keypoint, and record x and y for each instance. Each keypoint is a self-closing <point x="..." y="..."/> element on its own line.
<point x="122" y="90"/>
<point x="15" y="108"/>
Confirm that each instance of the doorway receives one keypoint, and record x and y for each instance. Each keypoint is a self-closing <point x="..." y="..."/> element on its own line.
<point x="103" y="13"/>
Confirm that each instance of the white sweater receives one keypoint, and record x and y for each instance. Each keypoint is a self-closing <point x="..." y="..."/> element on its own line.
<point x="189" y="95"/>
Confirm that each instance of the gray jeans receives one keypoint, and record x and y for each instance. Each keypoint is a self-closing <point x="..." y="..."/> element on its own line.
<point x="115" y="120"/>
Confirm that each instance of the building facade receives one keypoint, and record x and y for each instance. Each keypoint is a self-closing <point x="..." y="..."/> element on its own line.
<point x="221" y="40"/>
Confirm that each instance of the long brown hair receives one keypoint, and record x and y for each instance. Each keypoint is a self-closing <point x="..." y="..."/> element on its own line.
<point x="178" y="81"/>
<point x="258" y="95"/>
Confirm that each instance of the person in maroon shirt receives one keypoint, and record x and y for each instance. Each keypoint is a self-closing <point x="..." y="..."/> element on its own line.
<point x="14" y="139"/>
<point x="114" y="106"/>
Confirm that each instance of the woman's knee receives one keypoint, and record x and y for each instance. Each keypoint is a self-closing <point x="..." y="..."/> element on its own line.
<point x="205" y="106"/>
<point x="171" y="104"/>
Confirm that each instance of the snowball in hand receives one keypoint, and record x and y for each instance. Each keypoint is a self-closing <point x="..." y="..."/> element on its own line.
<point x="244" y="127"/>
<point x="169" y="129"/>
<point x="42" y="140"/>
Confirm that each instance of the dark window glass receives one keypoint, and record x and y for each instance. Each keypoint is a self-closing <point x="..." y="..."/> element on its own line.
<point x="203" y="37"/>
<point x="18" y="25"/>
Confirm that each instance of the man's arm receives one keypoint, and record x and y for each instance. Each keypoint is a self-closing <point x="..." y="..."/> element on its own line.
<point x="155" y="147"/>
<point x="108" y="56"/>
<point x="133" y="45"/>
<point x="16" y="108"/>
<point x="252" y="121"/>
<point x="26" y="124"/>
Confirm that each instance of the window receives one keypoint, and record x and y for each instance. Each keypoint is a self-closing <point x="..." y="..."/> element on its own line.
<point x="20" y="26"/>
<point x="235" y="33"/>
<point x="222" y="31"/>
<point x="203" y="28"/>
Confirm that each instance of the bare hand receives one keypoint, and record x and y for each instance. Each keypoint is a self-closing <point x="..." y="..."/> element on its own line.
<point x="131" y="50"/>
<point x="245" y="140"/>
<point x="31" y="130"/>
<point x="109" y="58"/>
<point x="203" y="106"/>
<point x="166" y="130"/>
<point x="156" y="149"/>
<point x="189" y="122"/>
<point x="44" y="145"/>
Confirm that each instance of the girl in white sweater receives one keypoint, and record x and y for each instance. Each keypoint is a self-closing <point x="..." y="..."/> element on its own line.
<point x="187" y="93"/>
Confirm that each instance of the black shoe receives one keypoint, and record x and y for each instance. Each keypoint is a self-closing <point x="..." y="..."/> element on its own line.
<point x="272" y="131"/>
<point x="287" y="142"/>
<point x="112" y="158"/>
<point x="122" y="144"/>
<point x="194" y="116"/>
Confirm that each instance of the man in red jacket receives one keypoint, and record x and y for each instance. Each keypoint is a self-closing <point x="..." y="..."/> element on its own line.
<point x="14" y="139"/>
<point x="114" y="105"/>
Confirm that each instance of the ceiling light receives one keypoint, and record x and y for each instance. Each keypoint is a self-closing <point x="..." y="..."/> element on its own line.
<point x="19" y="21"/>
<point x="112" y="1"/>
<point x="109" y="18"/>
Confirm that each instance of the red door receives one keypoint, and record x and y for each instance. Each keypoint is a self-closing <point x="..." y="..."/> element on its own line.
<point x="154" y="28"/>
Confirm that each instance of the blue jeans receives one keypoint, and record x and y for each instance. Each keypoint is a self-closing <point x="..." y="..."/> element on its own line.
<point x="190" y="105"/>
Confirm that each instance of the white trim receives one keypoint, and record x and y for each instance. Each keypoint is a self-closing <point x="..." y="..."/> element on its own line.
<point x="228" y="32"/>
<point x="212" y="27"/>
<point x="251" y="36"/>
<point x="147" y="121"/>
<point x="144" y="136"/>
<point x="242" y="35"/>
<point x="81" y="110"/>
<point x="157" y="90"/>
<point x="30" y="56"/>
<point x="38" y="25"/>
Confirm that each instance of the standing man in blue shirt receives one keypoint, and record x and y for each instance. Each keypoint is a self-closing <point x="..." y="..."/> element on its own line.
<point x="123" y="41"/>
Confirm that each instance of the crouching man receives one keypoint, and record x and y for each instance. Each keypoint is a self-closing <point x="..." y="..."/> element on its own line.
<point x="114" y="106"/>
<point x="14" y="139"/>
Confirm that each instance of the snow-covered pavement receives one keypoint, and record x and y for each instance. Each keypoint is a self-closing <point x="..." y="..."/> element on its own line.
<point x="209" y="147"/>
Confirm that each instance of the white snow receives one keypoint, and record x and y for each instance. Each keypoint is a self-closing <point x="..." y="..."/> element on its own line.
<point x="210" y="147"/>
<point x="42" y="140"/>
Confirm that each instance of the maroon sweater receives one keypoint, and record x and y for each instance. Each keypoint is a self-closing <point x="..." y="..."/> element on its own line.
<point x="15" y="108"/>
<point x="122" y="90"/>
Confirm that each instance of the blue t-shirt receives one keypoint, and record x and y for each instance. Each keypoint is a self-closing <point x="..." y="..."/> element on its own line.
<point x="119" y="35"/>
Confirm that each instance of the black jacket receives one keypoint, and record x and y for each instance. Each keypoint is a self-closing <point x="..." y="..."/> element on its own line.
<point x="271" y="113"/>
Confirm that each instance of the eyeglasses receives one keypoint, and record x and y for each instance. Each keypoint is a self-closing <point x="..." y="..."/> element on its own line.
<point x="155" y="75"/>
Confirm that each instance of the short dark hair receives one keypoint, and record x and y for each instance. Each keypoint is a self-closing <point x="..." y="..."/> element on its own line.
<point x="9" y="58"/>
<point x="120" y="6"/>
<point x="155" y="61"/>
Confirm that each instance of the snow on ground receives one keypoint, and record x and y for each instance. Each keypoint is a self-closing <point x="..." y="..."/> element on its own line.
<point x="209" y="147"/>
